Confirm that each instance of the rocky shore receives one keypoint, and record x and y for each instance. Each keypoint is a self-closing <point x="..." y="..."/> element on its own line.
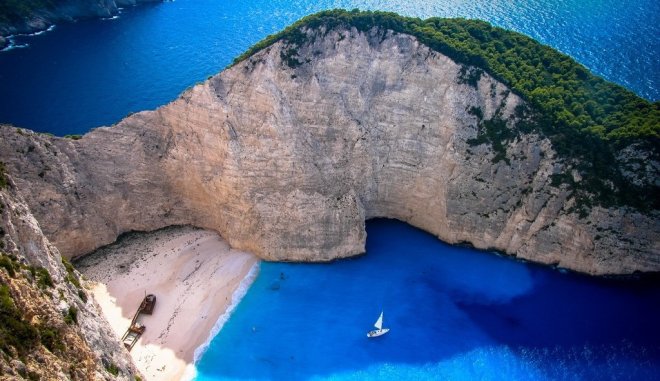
<point x="284" y="155"/>
<point x="41" y="17"/>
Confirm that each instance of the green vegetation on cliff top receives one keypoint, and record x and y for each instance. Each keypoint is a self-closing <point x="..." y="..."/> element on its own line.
<point x="585" y="117"/>
<point x="17" y="10"/>
<point x="550" y="80"/>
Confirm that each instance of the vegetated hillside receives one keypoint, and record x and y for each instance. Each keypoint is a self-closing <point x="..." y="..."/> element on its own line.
<point x="16" y="10"/>
<point x="287" y="153"/>
<point x="593" y="124"/>
<point x="26" y="16"/>
<point x="50" y="329"/>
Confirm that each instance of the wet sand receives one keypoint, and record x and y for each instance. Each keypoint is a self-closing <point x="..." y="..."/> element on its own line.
<point x="194" y="275"/>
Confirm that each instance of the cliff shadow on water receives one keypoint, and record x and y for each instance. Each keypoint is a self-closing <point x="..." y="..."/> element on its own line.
<point x="453" y="313"/>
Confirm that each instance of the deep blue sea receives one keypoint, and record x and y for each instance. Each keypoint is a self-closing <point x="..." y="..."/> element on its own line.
<point x="454" y="313"/>
<point x="93" y="73"/>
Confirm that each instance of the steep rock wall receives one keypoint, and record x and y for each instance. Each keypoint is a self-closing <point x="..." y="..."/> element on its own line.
<point x="84" y="349"/>
<point x="288" y="152"/>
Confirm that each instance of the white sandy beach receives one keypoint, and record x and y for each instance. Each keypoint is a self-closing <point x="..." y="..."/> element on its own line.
<point x="193" y="274"/>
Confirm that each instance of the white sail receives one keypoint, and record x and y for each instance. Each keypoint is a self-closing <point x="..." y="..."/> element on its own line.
<point x="379" y="322"/>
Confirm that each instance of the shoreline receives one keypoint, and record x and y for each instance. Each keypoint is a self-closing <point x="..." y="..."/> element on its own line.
<point x="191" y="369"/>
<point x="198" y="281"/>
<point x="10" y="43"/>
<point x="43" y="20"/>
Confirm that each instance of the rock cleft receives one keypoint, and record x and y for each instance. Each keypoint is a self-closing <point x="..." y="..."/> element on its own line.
<point x="289" y="151"/>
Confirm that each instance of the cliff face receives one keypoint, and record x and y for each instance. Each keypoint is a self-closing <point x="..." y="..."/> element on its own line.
<point x="288" y="152"/>
<point x="51" y="328"/>
<point x="36" y="15"/>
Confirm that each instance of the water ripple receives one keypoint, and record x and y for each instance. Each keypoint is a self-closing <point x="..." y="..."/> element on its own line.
<point x="95" y="72"/>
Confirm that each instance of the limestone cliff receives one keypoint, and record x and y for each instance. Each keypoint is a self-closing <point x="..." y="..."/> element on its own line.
<point x="288" y="152"/>
<point x="28" y="16"/>
<point x="51" y="329"/>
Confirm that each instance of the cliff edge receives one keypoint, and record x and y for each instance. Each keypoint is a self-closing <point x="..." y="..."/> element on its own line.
<point x="50" y="326"/>
<point x="29" y="16"/>
<point x="290" y="150"/>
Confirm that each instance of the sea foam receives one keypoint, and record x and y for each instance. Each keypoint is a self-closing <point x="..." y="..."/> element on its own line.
<point x="13" y="45"/>
<point x="37" y="33"/>
<point x="12" y="39"/>
<point x="236" y="297"/>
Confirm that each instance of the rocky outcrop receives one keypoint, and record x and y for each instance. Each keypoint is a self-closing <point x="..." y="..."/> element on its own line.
<point x="51" y="327"/>
<point x="288" y="152"/>
<point x="41" y="15"/>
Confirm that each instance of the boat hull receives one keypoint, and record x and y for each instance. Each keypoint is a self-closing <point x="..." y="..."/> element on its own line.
<point x="378" y="332"/>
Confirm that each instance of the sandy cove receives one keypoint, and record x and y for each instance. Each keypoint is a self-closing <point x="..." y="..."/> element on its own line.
<point x="194" y="275"/>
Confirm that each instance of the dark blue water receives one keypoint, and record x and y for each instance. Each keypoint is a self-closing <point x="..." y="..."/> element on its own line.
<point x="93" y="73"/>
<point x="454" y="313"/>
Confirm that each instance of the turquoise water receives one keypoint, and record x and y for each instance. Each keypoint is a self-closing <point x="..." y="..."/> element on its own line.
<point x="93" y="73"/>
<point x="454" y="313"/>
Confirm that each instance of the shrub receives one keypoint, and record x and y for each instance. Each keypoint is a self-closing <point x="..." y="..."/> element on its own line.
<point x="14" y="330"/>
<point x="43" y="277"/>
<point x="289" y="57"/>
<point x="4" y="181"/>
<point x="587" y="119"/>
<point x="51" y="339"/>
<point x="112" y="369"/>
<point x="469" y="76"/>
<point x="71" y="316"/>
<point x="71" y="273"/>
<point x="7" y="264"/>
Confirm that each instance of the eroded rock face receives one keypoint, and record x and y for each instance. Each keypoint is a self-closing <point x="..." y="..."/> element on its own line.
<point x="84" y="349"/>
<point x="288" y="162"/>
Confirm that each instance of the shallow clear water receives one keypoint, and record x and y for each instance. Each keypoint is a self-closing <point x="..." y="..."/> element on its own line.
<point x="454" y="313"/>
<point x="93" y="73"/>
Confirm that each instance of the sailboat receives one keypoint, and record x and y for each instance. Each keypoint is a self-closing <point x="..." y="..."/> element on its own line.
<point x="379" y="331"/>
